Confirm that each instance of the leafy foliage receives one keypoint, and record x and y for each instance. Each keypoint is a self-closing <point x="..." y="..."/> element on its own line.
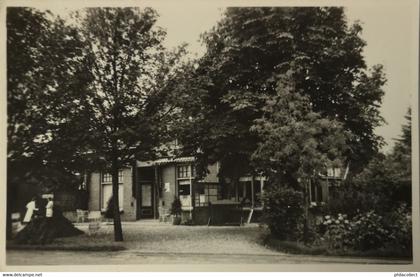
<point x="44" y="80"/>
<point x="399" y="224"/>
<point x="296" y="143"/>
<point x="96" y="93"/>
<point x="131" y="80"/>
<point x="283" y="212"/>
<point x="109" y="212"/>
<point x="130" y="70"/>
<point x="388" y="177"/>
<point x="368" y="230"/>
<point x="337" y="231"/>
<point x="249" y="51"/>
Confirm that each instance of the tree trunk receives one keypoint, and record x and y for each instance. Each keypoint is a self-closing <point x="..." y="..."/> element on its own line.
<point x="306" y="211"/>
<point x="118" y="235"/>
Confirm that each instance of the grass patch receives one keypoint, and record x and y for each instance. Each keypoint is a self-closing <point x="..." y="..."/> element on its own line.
<point x="66" y="247"/>
<point x="294" y="247"/>
<point x="77" y="243"/>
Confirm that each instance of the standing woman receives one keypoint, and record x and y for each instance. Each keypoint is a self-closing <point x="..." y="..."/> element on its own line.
<point x="49" y="208"/>
<point x="30" y="208"/>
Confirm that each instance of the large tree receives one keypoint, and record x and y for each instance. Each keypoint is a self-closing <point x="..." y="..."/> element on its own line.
<point x="44" y="78"/>
<point x="388" y="176"/>
<point x="296" y="144"/>
<point x="249" y="50"/>
<point x="129" y="97"/>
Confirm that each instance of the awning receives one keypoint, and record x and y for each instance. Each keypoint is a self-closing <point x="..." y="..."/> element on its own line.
<point x="165" y="161"/>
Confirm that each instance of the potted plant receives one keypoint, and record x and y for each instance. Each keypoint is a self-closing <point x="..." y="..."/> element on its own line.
<point x="176" y="209"/>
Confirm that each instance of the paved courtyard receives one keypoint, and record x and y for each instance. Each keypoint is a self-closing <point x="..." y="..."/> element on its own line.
<point x="151" y="242"/>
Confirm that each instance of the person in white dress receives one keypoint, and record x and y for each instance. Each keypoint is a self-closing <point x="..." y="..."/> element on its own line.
<point x="49" y="208"/>
<point x="30" y="208"/>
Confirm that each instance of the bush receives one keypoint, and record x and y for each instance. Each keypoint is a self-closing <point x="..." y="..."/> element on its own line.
<point x="399" y="225"/>
<point x="368" y="231"/>
<point x="350" y="200"/>
<point x="109" y="212"/>
<point x="363" y="232"/>
<point x="176" y="207"/>
<point x="337" y="231"/>
<point x="283" y="212"/>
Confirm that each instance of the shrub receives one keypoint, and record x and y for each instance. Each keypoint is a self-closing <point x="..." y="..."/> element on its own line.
<point x="176" y="207"/>
<point x="109" y="212"/>
<point x="399" y="225"/>
<point x="283" y="212"/>
<point x="368" y="231"/>
<point x="351" y="201"/>
<point x="337" y="231"/>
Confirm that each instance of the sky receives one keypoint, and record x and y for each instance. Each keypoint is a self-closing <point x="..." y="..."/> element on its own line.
<point x="387" y="29"/>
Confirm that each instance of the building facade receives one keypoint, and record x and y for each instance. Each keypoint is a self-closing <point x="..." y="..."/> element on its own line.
<point x="147" y="190"/>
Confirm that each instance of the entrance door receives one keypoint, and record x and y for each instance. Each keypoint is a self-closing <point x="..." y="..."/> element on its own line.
<point x="146" y="200"/>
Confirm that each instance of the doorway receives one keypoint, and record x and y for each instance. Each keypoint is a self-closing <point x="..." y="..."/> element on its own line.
<point x="145" y="193"/>
<point x="146" y="200"/>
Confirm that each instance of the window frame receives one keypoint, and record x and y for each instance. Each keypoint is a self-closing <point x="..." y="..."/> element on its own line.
<point x="106" y="177"/>
<point x="106" y="180"/>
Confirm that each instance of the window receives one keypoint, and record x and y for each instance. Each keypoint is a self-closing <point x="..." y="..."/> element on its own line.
<point x="227" y="191"/>
<point x="184" y="187"/>
<point x="192" y="171"/>
<point x="205" y="193"/>
<point x="107" y="190"/>
<point x="184" y="171"/>
<point x="316" y="193"/>
<point x="250" y="194"/>
<point x="334" y="172"/>
<point x="107" y="177"/>
<point x="184" y="184"/>
<point x="107" y="194"/>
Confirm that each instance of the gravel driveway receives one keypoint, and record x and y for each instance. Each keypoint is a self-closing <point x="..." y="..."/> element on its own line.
<point x="152" y="236"/>
<point x="151" y="242"/>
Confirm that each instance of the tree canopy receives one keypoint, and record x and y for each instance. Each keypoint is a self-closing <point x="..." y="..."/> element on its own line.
<point x="296" y="144"/>
<point x="249" y="50"/>
<point x="45" y="79"/>
<point x="388" y="176"/>
<point x="95" y="92"/>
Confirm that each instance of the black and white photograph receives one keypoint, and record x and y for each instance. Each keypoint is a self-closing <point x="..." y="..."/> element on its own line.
<point x="200" y="134"/>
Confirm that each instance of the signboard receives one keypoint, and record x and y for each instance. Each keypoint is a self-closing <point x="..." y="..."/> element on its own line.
<point x="167" y="187"/>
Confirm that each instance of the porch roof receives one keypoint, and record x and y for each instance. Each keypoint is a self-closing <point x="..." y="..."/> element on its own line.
<point x="163" y="161"/>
